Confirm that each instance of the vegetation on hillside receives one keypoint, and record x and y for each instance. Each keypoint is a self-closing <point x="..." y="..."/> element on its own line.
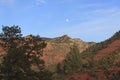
<point x="91" y="51"/>
<point x="110" y="61"/>
<point x="85" y="63"/>
<point x="23" y="57"/>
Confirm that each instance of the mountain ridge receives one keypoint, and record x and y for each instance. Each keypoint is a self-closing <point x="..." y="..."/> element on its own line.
<point x="57" y="48"/>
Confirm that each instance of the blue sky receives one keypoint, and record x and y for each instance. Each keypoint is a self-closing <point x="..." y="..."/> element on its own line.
<point x="90" y="20"/>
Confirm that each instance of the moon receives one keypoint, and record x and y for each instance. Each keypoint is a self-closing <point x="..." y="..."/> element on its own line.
<point x="67" y="20"/>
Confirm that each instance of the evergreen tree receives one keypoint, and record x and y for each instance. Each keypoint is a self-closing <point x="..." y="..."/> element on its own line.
<point x="22" y="54"/>
<point x="72" y="61"/>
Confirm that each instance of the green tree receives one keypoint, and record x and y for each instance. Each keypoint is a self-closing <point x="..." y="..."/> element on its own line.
<point x="72" y="62"/>
<point x="10" y="36"/>
<point x="22" y="55"/>
<point x="11" y="32"/>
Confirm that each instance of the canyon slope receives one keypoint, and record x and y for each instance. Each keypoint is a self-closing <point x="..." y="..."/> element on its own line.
<point x="58" y="47"/>
<point x="104" y="58"/>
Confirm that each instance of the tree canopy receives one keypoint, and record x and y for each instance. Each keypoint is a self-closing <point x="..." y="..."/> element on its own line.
<point x="23" y="56"/>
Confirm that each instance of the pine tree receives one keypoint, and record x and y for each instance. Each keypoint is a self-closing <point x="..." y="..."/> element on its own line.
<point x="72" y="62"/>
<point x="21" y="55"/>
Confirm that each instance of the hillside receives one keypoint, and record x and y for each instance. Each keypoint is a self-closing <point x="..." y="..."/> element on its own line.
<point x="97" y="58"/>
<point x="58" y="47"/>
<point x="114" y="46"/>
<point x="103" y="48"/>
<point x="100" y="61"/>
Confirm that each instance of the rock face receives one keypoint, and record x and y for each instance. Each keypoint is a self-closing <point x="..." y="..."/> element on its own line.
<point x="58" y="47"/>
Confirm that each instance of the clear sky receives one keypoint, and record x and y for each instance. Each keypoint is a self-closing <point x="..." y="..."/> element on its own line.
<point x="90" y="20"/>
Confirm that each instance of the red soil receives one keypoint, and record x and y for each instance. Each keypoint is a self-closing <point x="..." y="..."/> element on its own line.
<point x="86" y="75"/>
<point x="2" y="52"/>
<point x="111" y="48"/>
